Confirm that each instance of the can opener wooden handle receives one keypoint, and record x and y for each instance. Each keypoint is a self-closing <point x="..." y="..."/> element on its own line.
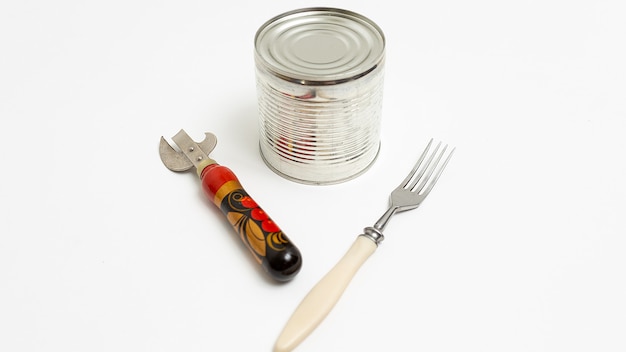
<point x="271" y="248"/>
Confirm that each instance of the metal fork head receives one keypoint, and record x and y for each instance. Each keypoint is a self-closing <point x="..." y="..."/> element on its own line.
<point x="420" y="181"/>
<point x="414" y="188"/>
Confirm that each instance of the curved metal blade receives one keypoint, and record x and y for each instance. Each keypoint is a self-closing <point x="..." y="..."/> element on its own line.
<point x="172" y="159"/>
<point x="209" y="143"/>
<point x="190" y="154"/>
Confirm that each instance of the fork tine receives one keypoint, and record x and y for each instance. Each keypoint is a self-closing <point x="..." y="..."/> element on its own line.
<point x="405" y="183"/>
<point x="429" y="169"/>
<point x="421" y="189"/>
<point x="420" y="176"/>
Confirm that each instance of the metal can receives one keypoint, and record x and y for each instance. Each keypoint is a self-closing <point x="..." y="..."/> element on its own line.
<point x="319" y="79"/>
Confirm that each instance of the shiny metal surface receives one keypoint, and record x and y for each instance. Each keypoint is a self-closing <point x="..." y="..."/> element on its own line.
<point x="191" y="153"/>
<point x="412" y="191"/>
<point x="319" y="87"/>
<point x="319" y="46"/>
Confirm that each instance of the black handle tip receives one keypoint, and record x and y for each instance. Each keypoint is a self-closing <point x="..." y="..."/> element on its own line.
<point x="284" y="265"/>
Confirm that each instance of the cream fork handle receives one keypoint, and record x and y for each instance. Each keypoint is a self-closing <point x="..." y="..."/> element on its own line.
<point x="324" y="295"/>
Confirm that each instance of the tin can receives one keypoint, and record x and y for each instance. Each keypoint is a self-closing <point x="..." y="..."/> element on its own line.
<point x="319" y="78"/>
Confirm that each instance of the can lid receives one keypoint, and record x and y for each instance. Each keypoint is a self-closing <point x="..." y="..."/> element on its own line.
<point x="319" y="46"/>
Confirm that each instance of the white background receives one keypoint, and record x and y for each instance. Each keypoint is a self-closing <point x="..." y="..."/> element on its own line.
<point x="520" y="247"/>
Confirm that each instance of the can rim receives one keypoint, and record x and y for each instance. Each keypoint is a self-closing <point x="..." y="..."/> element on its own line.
<point x="377" y="59"/>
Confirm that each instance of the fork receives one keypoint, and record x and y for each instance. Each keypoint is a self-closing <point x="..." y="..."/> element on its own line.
<point x="326" y="293"/>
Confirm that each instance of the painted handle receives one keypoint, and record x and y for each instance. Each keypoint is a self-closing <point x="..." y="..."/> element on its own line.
<point x="323" y="296"/>
<point x="268" y="244"/>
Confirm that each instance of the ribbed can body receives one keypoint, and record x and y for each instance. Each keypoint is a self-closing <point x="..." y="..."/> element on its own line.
<point x="319" y="76"/>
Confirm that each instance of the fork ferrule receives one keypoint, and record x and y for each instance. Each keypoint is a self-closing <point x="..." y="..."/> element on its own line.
<point x="373" y="234"/>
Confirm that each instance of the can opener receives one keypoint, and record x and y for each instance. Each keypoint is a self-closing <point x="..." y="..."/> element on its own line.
<point x="271" y="248"/>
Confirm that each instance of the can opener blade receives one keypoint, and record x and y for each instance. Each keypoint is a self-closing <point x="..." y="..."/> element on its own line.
<point x="191" y="153"/>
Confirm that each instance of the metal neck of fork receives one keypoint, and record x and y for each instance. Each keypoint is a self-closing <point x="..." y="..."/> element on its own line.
<point x="375" y="233"/>
<point x="382" y="222"/>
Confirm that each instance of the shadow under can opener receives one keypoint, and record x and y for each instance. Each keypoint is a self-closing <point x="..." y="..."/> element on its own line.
<point x="271" y="248"/>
